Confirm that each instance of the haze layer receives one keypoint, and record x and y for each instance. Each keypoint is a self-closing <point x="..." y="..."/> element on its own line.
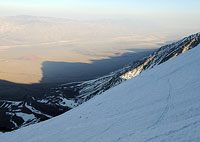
<point x="26" y="42"/>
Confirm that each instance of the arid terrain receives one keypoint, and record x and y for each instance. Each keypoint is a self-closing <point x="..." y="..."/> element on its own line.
<point x="27" y="42"/>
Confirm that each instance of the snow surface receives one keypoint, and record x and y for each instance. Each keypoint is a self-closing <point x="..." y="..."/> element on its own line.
<point x="161" y="104"/>
<point x="36" y="111"/>
<point x="26" y="117"/>
<point x="68" y="103"/>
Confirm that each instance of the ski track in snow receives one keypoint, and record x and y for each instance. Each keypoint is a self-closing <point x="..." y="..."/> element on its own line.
<point x="172" y="131"/>
<point x="166" y="109"/>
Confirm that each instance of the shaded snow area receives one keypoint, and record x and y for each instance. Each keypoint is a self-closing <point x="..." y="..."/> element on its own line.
<point x="26" y="117"/>
<point x="161" y="104"/>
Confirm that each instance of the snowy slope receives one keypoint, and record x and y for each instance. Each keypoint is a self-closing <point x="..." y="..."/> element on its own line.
<point x="83" y="91"/>
<point x="161" y="104"/>
<point x="43" y="102"/>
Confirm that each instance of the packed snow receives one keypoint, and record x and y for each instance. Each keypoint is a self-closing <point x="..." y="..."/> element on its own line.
<point x="161" y="104"/>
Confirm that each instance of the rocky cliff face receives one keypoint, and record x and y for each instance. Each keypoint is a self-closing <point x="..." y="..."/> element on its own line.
<point x="163" y="54"/>
<point x="30" y="110"/>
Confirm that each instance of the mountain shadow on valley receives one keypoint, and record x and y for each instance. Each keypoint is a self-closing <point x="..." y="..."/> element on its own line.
<point x="65" y="72"/>
<point x="55" y="73"/>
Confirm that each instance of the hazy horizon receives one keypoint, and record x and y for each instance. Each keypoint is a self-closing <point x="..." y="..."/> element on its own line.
<point x="27" y="42"/>
<point x="75" y="31"/>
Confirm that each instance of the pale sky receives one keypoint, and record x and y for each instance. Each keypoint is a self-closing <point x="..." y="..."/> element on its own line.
<point x="109" y="8"/>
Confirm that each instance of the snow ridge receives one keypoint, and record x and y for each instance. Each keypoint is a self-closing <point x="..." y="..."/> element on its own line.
<point x="83" y="91"/>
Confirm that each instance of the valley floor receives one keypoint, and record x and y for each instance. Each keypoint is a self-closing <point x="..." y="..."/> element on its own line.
<point x="161" y="104"/>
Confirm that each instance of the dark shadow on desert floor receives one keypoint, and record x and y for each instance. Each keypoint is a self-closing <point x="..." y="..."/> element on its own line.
<point x="17" y="92"/>
<point x="55" y="73"/>
<point x="64" y="72"/>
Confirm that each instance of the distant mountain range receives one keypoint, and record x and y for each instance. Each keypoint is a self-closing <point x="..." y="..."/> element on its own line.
<point x="53" y="99"/>
<point x="39" y="46"/>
